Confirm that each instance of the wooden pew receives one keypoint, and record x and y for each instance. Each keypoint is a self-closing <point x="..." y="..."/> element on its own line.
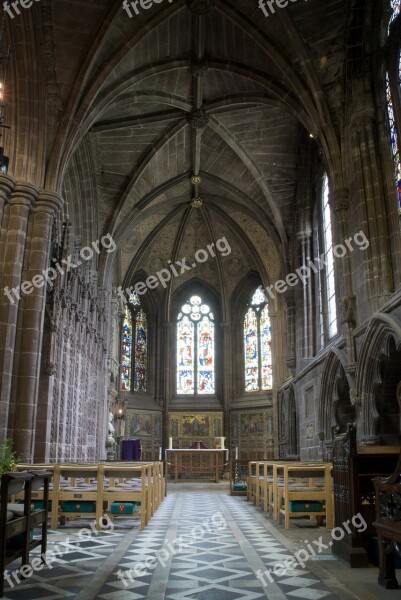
<point x="306" y="485"/>
<point x="354" y="468"/>
<point x="13" y="484"/>
<point x="102" y="484"/>
<point x="138" y="487"/>
<point x="388" y="524"/>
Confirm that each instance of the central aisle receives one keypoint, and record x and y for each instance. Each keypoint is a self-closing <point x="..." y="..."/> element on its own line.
<point x="206" y="547"/>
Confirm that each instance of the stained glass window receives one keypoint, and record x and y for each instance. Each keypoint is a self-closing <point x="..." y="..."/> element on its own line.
<point x="257" y="345"/>
<point x="396" y="8"/>
<point x="126" y="359"/>
<point x="329" y="258"/>
<point x="391" y="98"/>
<point x="195" y="348"/>
<point x="141" y="352"/>
<point x="134" y="356"/>
<point x="394" y="134"/>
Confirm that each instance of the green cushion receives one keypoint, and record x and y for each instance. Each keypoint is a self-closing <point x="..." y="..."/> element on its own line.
<point x="122" y="508"/>
<point x="240" y="487"/>
<point x="305" y="506"/>
<point x="39" y="505"/>
<point x="86" y="506"/>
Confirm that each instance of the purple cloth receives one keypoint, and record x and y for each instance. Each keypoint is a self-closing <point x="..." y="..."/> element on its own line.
<point x="131" y="450"/>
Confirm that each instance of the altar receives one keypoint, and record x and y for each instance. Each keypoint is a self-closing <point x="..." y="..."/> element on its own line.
<point x="196" y="461"/>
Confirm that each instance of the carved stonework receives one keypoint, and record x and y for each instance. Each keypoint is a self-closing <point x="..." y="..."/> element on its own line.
<point x="200" y="7"/>
<point x="198" y="118"/>
<point x="339" y="200"/>
<point x="196" y="202"/>
<point x="390" y="506"/>
<point x="349" y="310"/>
<point x="200" y="67"/>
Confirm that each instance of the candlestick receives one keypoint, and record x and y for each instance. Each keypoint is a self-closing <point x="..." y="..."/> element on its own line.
<point x="170" y="443"/>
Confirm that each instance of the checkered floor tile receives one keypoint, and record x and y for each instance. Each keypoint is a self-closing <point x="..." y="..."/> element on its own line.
<point x="197" y="546"/>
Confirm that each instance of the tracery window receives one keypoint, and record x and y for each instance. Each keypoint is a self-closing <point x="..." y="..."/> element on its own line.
<point x="257" y="345"/>
<point x="393" y="82"/>
<point x="195" y="348"/>
<point x="134" y="354"/>
<point x="331" y="302"/>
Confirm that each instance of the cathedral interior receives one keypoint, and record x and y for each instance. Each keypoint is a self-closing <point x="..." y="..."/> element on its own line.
<point x="200" y="213"/>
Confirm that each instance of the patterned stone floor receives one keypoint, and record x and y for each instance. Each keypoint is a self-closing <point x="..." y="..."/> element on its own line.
<point x="203" y="546"/>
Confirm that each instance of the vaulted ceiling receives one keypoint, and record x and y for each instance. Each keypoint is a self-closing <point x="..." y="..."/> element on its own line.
<point x="138" y="106"/>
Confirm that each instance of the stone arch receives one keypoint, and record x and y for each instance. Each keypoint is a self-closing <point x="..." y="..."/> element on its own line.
<point x="337" y="392"/>
<point x="376" y="376"/>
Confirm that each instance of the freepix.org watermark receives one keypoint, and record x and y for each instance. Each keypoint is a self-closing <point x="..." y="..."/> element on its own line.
<point x="131" y="7"/>
<point x="216" y="522"/>
<point x="22" y="3"/>
<point x="317" y="264"/>
<point x="175" y="269"/>
<point x="264" y="5"/>
<point x="51" y="273"/>
<point x="47" y="559"/>
<point x="301" y="556"/>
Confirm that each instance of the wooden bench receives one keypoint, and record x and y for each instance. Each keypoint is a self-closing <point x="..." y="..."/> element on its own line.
<point x="388" y="524"/>
<point x="306" y="492"/>
<point x="13" y="484"/>
<point x="136" y="486"/>
<point x="90" y="489"/>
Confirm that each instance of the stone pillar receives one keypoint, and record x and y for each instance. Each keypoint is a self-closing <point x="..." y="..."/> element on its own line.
<point x="373" y="213"/>
<point x="226" y="386"/>
<point x="305" y="239"/>
<point x="7" y="185"/>
<point x="18" y="209"/>
<point x="33" y="306"/>
<point x="339" y="202"/>
<point x="168" y="331"/>
<point x="291" y="324"/>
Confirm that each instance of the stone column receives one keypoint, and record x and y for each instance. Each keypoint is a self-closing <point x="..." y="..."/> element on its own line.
<point x="20" y="204"/>
<point x="7" y="185"/>
<point x="305" y="239"/>
<point x="226" y="386"/>
<point x="373" y="213"/>
<point x="339" y="202"/>
<point x="291" y="324"/>
<point x="33" y="306"/>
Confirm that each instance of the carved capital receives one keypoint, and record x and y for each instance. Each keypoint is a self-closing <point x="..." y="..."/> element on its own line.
<point x="51" y="369"/>
<point x="348" y="305"/>
<point x="354" y="398"/>
<point x="339" y="200"/>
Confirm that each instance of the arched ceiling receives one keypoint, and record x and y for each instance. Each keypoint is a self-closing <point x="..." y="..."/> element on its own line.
<point x="230" y="97"/>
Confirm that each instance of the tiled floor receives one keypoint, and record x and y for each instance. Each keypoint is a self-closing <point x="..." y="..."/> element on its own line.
<point x="203" y="545"/>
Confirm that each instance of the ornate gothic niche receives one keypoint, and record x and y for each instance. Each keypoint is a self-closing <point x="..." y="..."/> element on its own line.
<point x="387" y="395"/>
<point x="288" y="425"/>
<point x="344" y="410"/>
<point x="336" y="407"/>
